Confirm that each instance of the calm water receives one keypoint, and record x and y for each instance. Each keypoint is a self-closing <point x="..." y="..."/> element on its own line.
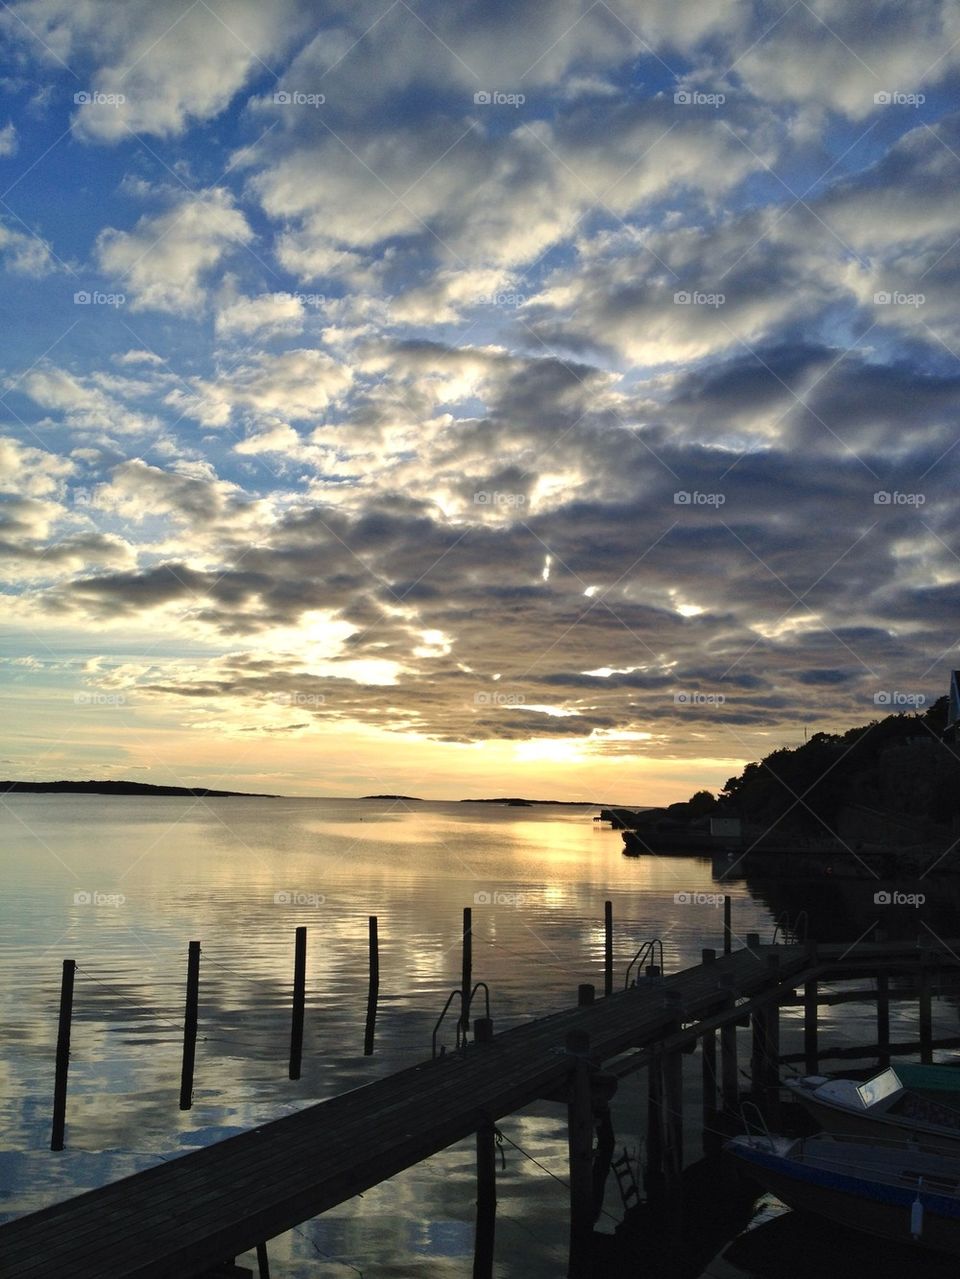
<point x="122" y="884"/>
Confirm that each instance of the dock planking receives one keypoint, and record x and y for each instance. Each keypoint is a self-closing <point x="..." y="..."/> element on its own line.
<point x="186" y="1216"/>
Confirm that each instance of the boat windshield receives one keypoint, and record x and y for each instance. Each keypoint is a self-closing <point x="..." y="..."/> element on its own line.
<point x="880" y="1087"/>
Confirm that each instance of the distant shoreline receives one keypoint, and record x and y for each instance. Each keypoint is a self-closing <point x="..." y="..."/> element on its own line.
<point x="201" y="792"/>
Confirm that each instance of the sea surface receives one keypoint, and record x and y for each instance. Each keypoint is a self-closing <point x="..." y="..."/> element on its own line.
<point x="122" y="884"/>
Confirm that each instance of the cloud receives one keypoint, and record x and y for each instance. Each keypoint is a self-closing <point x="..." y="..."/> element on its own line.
<point x="25" y="254"/>
<point x="9" y="142"/>
<point x="163" y="260"/>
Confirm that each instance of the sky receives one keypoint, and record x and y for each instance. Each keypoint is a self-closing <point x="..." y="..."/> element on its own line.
<point x="549" y="399"/>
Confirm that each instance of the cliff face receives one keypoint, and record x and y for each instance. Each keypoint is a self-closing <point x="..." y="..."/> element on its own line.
<point x="898" y="766"/>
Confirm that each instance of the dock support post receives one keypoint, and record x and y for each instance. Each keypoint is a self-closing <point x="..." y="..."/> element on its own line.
<point x="486" y="1201"/>
<point x="772" y="1046"/>
<point x="263" y="1262"/>
<point x="373" y="991"/>
<point x="653" y="1173"/>
<point x="299" y="999"/>
<point x="810" y="1026"/>
<point x="63" y="1054"/>
<point x="708" y="1064"/>
<point x="926" y="1018"/>
<point x="727" y="929"/>
<point x="190" y="1025"/>
<point x="580" y="1144"/>
<point x="466" y="980"/>
<point x="673" y="1132"/>
<point x="758" y="1050"/>
<point x="585" y="995"/>
<point x="608" y="948"/>
<point x="729" y="1078"/>
<point x="883" y="1019"/>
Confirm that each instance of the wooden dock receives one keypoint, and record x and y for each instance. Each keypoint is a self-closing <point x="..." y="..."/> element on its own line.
<point x="191" y="1215"/>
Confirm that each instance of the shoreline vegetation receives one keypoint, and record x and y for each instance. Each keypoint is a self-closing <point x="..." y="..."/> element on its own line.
<point x="887" y="792"/>
<point x="201" y="792"/>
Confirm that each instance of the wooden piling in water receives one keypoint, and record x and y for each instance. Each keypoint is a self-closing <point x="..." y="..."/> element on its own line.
<point x="190" y="1018"/>
<point x="727" y="929"/>
<point x="483" y="1245"/>
<point x="729" y="1077"/>
<point x="810" y="1025"/>
<point x="883" y="1019"/>
<point x="772" y="1047"/>
<point x="708" y="1080"/>
<point x="608" y="948"/>
<point x="653" y="1173"/>
<point x="926" y="1013"/>
<point x="299" y="1000"/>
<point x="580" y="1147"/>
<point x="585" y="994"/>
<point x="373" y="989"/>
<point x="673" y="1130"/>
<point x="63" y="1054"/>
<point x="466" y="979"/>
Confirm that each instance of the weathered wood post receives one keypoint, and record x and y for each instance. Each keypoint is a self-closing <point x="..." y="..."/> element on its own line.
<point x="883" y="1019"/>
<point x="63" y="1054"/>
<point x="580" y="1145"/>
<point x="729" y="1077"/>
<point x="926" y="1011"/>
<point x="772" y="1072"/>
<point x="263" y="1262"/>
<point x="727" y="929"/>
<point x="190" y="1016"/>
<point x="673" y="1124"/>
<point x="299" y="999"/>
<point x="608" y="948"/>
<point x="466" y="979"/>
<point x="653" y="1173"/>
<point x="585" y="995"/>
<point x="483" y="1244"/>
<point x="708" y="1076"/>
<point x="373" y="990"/>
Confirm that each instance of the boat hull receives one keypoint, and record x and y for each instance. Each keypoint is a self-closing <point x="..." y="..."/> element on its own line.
<point x="850" y="1124"/>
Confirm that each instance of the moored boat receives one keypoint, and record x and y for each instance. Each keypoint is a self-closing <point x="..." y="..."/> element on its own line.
<point x="897" y="1104"/>
<point x="891" y="1189"/>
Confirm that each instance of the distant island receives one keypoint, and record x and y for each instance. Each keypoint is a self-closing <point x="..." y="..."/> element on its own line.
<point x="409" y="799"/>
<point x="124" y="788"/>
<point x="517" y="802"/>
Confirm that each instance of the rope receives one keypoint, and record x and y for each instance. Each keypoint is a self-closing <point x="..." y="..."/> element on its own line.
<point x="502" y="1136"/>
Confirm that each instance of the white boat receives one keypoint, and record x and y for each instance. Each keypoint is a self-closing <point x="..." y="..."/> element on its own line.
<point x="895" y="1190"/>
<point x="897" y="1104"/>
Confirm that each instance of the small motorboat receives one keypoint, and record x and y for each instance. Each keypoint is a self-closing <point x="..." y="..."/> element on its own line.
<point x="892" y="1189"/>
<point x="897" y="1104"/>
